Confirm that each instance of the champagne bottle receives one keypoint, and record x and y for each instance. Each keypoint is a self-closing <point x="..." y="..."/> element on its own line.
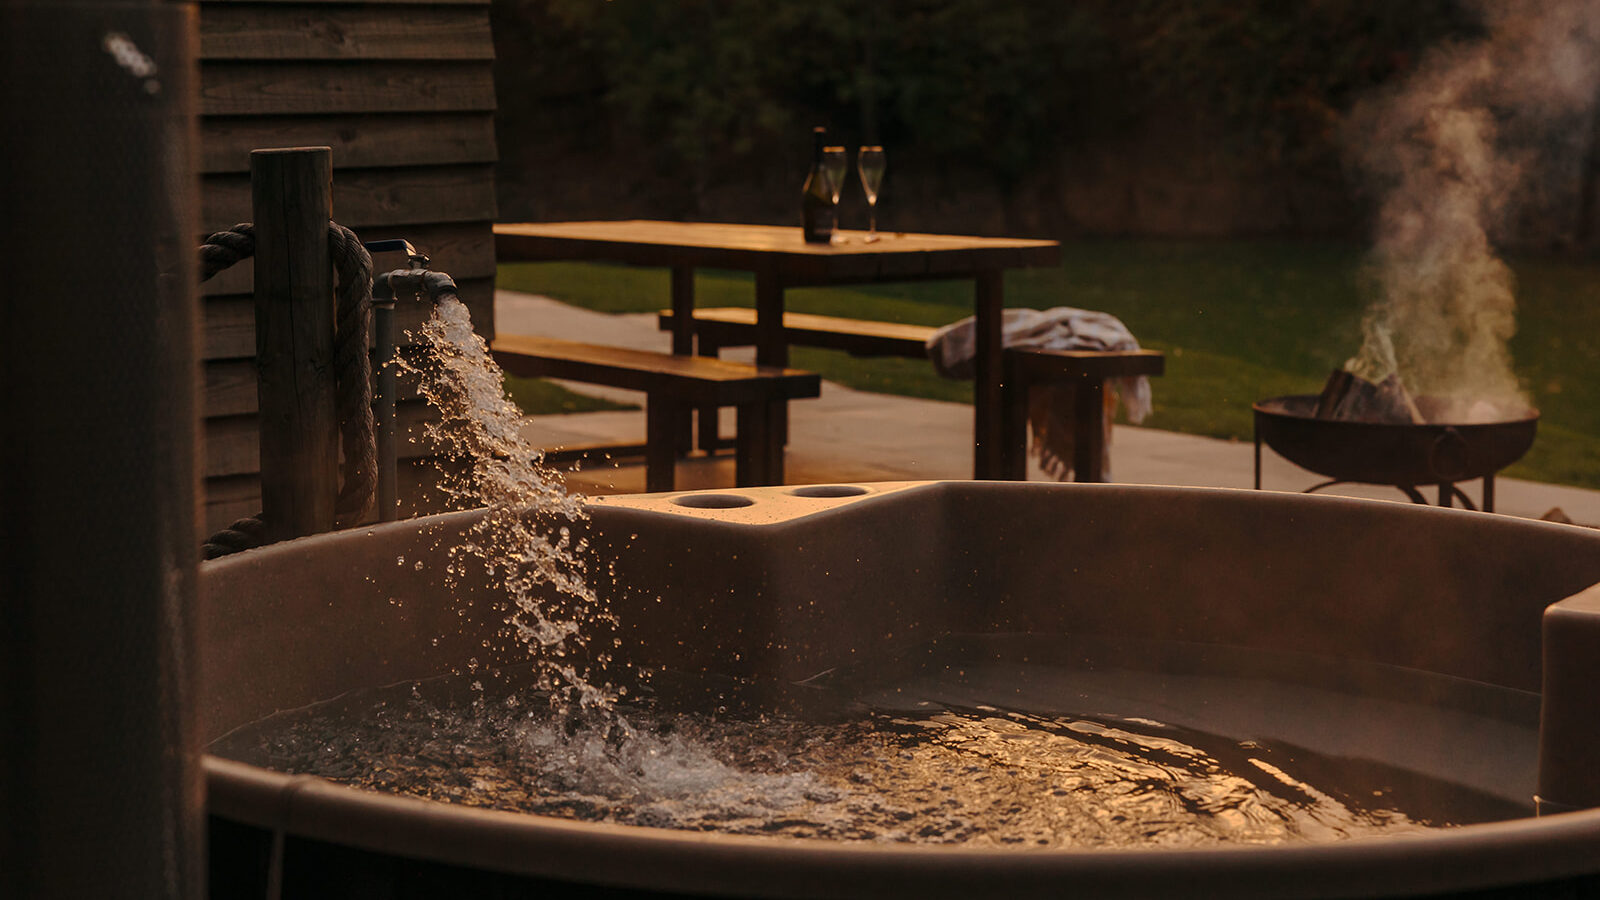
<point x="816" y="198"/>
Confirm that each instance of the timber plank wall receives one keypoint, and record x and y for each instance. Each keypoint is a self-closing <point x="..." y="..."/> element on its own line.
<point x="403" y="91"/>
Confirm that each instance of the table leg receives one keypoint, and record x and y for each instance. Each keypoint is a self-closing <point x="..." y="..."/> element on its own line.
<point x="771" y="348"/>
<point x="1014" y="427"/>
<point x="683" y="345"/>
<point x="710" y="437"/>
<point x="988" y="382"/>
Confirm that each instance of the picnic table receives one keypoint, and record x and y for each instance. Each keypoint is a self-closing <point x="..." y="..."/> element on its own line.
<point x="780" y="259"/>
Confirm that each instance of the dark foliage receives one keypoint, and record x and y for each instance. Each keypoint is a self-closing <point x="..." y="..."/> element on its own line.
<point x="702" y="91"/>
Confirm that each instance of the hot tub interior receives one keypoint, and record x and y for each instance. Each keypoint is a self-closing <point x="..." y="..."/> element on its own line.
<point x="1283" y="668"/>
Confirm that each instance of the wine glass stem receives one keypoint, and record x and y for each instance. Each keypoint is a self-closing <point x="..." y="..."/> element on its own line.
<point x="872" y="218"/>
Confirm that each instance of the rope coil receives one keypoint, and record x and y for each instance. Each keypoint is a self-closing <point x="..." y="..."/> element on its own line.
<point x="353" y="375"/>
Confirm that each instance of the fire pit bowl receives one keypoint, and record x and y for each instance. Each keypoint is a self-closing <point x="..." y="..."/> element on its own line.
<point x="1402" y="455"/>
<point x="1370" y="598"/>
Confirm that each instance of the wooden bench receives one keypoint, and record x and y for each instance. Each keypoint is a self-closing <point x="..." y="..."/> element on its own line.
<point x="1088" y="371"/>
<point x="719" y="327"/>
<point x="671" y="385"/>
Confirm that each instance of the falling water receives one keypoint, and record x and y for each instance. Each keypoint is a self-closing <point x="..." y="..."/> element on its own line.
<point x="525" y="539"/>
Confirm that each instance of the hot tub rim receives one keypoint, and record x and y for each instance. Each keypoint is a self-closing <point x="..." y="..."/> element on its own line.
<point x="1517" y="850"/>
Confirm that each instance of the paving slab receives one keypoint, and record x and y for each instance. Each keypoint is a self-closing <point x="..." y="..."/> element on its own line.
<point x="855" y="436"/>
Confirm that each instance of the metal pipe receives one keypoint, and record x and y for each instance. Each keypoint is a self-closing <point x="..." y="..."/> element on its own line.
<point x="384" y="288"/>
<point x="383" y="327"/>
<point x="416" y="281"/>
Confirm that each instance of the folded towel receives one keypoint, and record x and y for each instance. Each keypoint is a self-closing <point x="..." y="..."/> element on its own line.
<point x="953" y="347"/>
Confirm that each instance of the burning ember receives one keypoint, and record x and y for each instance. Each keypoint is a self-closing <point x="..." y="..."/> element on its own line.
<point x="1352" y="398"/>
<point x="1347" y="397"/>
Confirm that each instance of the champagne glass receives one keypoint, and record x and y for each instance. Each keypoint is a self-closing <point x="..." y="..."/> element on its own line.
<point x="870" y="163"/>
<point x="834" y="166"/>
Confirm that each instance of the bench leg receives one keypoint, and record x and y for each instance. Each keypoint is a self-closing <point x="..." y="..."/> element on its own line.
<point x="1014" y="428"/>
<point x="1089" y="431"/>
<point x="661" y="417"/>
<point x="710" y="437"/>
<point x="758" y="453"/>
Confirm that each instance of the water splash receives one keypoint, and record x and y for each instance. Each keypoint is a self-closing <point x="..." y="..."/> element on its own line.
<point x="524" y="540"/>
<point x="1454" y="151"/>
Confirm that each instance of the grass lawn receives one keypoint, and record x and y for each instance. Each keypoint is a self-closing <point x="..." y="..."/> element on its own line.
<point x="1240" y="321"/>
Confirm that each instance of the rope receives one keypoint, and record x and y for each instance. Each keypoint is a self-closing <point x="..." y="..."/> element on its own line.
<point x="352" y="370"/>
<point x="244" y="534"/>
<point x="224" y="248"/>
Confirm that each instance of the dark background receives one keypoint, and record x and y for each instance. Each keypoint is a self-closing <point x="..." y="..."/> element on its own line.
<point x="1091" y="118"/>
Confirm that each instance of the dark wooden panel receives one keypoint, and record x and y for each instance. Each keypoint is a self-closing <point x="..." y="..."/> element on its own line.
<point x="367" y="197"/>
<point x="361" y="141"/>
<point x="334" y="32"/>
<point x="229" y="330"/>
<point x="228" y="500"/>
<point x="465" y="251"/>
<point x="232" y="497"/>
<point x="232" y="446"/>
<point x="332" y="87"/>
<point x="230" y="387"/>
<point x="233" y="442"/>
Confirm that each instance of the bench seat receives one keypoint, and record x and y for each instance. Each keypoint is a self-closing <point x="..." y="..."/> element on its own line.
<point x="1087" y="371"/>
<point x="673" y="384"/>
<point x="718" y="327"/>
<point x="732" y="326"/>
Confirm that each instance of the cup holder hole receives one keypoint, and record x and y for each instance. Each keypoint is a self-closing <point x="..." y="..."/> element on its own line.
<point x="829" y="490"/>
<point x="713" y="501"/>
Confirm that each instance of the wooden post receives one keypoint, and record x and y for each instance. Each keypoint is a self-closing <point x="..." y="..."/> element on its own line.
<point x="292" y="197"/>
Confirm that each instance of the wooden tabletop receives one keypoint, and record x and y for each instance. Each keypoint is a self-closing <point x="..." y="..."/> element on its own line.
<point x="772" y="248"/>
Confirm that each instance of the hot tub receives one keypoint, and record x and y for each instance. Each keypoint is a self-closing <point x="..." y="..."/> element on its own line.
<point x="776" y="585"/>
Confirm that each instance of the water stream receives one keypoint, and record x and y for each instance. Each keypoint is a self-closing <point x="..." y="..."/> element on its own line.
<point x="525" y="540"/>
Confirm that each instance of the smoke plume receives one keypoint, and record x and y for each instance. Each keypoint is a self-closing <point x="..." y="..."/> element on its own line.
<point x="1453" y="151"/>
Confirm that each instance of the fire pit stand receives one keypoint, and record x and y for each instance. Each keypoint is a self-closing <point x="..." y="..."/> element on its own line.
<point x="1404" y="456"/>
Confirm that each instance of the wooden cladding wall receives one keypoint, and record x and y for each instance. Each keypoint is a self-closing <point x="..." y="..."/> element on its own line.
<point x="403" y="92"/>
